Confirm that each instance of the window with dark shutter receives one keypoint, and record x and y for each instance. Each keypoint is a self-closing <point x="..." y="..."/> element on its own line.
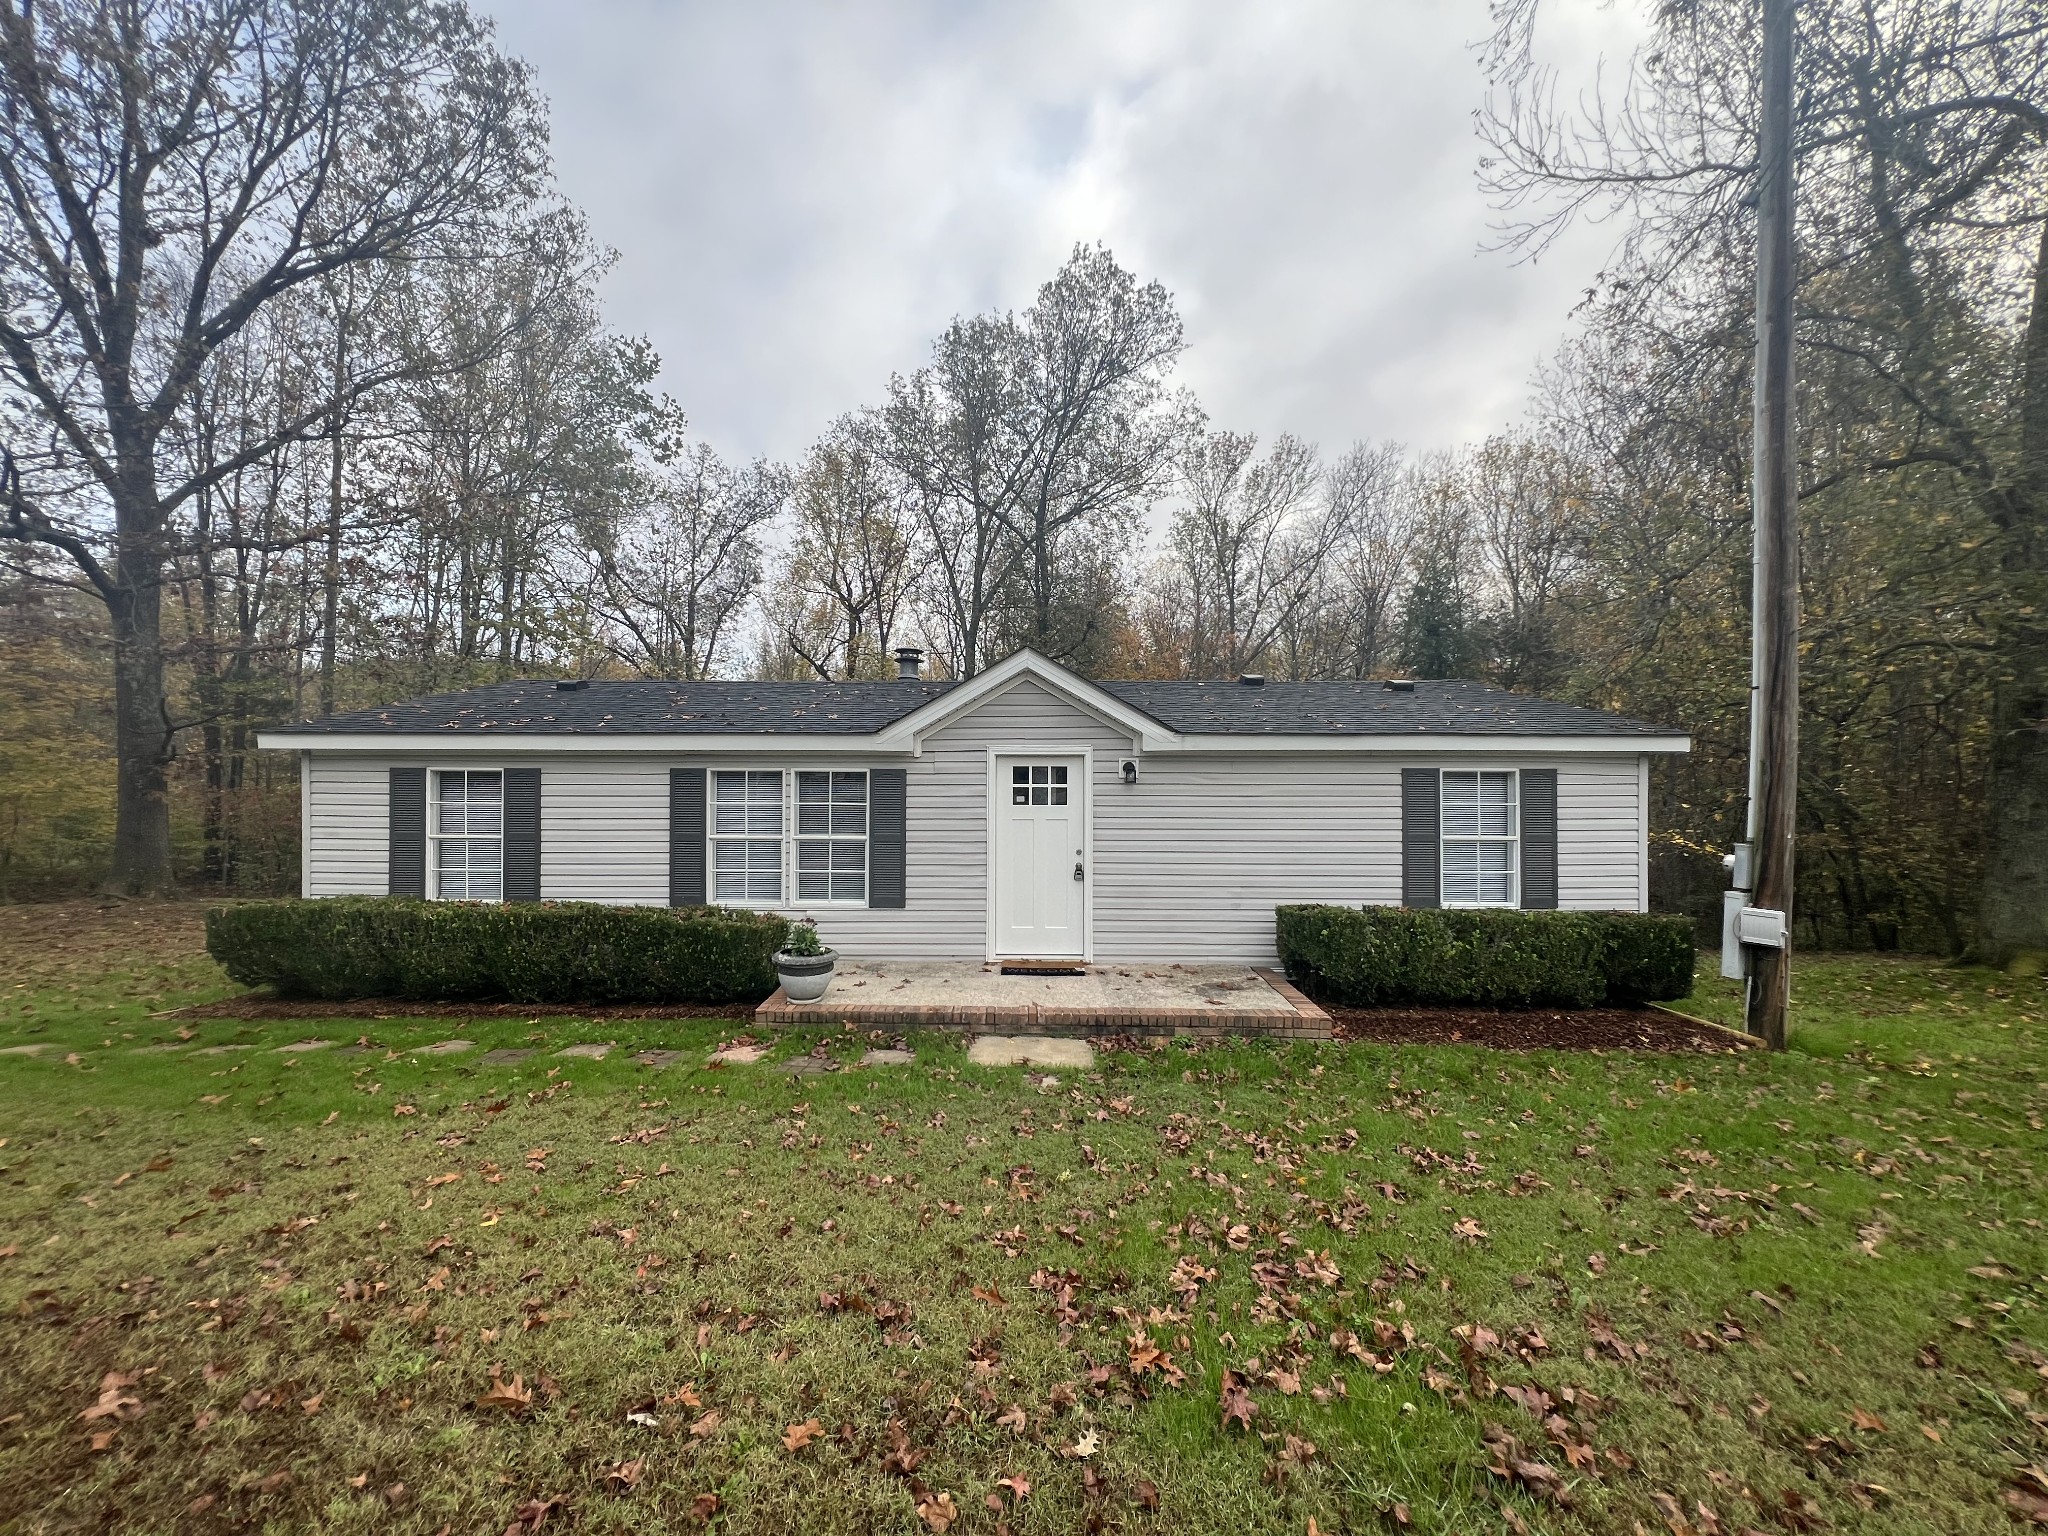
<point x="1421" y="817"/>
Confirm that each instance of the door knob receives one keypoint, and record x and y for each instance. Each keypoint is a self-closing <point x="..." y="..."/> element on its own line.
<point x="1077" y="873"/>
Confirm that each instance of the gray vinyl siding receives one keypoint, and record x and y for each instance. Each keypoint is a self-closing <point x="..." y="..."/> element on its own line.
<point x="347" y="832"/>
<point x="604" y="831"/>
<point x="1191" y="860"/>
<point x="1188" y="863"/>
<point x="1601" y="835"/>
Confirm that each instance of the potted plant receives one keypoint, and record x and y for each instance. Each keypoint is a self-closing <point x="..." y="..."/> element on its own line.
<point x="804" y="963"/>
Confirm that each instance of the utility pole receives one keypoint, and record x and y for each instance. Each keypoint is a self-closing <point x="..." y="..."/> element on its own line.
<point x="1763" y="921"/>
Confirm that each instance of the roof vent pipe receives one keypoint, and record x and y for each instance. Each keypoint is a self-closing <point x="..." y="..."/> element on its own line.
<point x="909" y="664"/>
<point x="1253" y="680"/>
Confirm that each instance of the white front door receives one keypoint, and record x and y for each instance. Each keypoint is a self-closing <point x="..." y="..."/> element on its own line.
<point x="1041" y="842"/>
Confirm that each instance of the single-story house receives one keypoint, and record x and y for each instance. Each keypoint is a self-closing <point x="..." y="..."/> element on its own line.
<point x="1026" y="812"/>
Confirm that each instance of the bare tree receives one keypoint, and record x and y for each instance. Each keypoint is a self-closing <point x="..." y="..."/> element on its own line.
<point x="1345" y="627"/>
<point x="680" y="575"/>
<point x="1099" y="432"/>
<point x="1251" y="542"/>
<point x="952" y="433"/>
<point x="168" y="169"/>
<point x="851" y="545"/>
<point x="1526" y="510"/>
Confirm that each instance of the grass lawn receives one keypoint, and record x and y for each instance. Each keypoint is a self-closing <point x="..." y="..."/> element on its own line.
<point x="1342" y="1288"/>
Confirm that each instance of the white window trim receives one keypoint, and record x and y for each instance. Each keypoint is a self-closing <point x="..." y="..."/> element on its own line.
<point x="1512" y="839"/>
<point x="790" y="902"/>
<point x="435" y="838"/>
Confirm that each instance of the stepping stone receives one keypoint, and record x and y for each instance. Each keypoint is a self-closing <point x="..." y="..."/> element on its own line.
<point x="300" y="1047"/>
<point x="589" y="1051"/>
<point x="222" y="1050"/>
<point x="445" y="1048"/>
<point x="884" y="1057"/>
<point x="739" y="1055"/>
<point x="156" y="1050"/>
<point x="26" y="1050"/>
<point x="805" y="1066"/>
<point x="358" y="1050"/>
<point x="504" y="1058"/>
<point x="1030" y="1051"/>
<point x="659" y="1058"/>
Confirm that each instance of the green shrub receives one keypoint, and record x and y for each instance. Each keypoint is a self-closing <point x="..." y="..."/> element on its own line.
<point x="1389" y="956"/>
<point x="1650" y="957"/>
<point x="539" y="952"/>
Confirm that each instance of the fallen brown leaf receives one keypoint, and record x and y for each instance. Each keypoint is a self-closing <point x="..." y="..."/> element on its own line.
<point x="624" y="1477"/>
<point x="797" y="1436"/>
<point x="937" y="1510"/>
<point x="115" y="1400"/>
<point x="514" y="1397"/>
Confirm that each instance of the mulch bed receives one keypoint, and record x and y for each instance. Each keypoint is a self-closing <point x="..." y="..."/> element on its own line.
<point x="1531" y="1029"/>
<point x="256" y="1005"/>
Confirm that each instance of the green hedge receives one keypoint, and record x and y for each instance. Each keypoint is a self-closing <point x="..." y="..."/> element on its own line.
<point x="541" y="952"/>
<point x="1388" y="956"/>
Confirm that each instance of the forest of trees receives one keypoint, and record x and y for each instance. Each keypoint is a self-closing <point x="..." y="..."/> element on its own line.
<point x="307" y="402"/>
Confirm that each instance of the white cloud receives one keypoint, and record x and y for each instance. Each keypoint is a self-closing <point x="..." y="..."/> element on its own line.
<point x="803" y="194"/>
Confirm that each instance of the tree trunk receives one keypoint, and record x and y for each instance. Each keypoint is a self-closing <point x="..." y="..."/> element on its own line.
<point x="142" y="735"/>
<point x="2013" y="914"/>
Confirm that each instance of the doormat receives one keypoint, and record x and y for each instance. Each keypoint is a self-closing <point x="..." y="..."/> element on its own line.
<point x="1043" y="968"/>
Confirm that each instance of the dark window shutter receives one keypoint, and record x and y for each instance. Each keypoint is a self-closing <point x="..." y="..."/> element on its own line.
<point x="408" y="875"/>
<point x="1421" y="848"/>
<point x="522" y="834"/>
<point x="686" y="834"/>
<point x="888" y="796"/>
<point x="1539" y="837"/>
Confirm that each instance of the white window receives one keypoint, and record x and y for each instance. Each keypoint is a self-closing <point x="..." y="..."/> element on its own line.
<point x="762" y="857"/>
<point x="746" y="838"/>
<point x="468" y="834"/>
<point x="1481" y="864"/>
<point x="832" y="837"/>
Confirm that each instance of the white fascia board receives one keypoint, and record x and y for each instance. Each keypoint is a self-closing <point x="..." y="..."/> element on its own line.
<point x="474" y="743"/>
<point x="1458" y="744"/>
<point x="894" y="743"/>
<point x="907" y="734"/>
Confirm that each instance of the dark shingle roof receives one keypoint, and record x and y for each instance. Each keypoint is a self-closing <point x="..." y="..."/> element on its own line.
<point x="857" y="709"/>
<point x="1435" y="708"/>
<point x="645" y="708"/>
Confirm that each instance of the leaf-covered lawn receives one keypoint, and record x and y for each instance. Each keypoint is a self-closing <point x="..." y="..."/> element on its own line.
<point x="1215" y="1289"/>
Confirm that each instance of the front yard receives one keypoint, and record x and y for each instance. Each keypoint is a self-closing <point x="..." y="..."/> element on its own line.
<point x="1336" y="1288"/>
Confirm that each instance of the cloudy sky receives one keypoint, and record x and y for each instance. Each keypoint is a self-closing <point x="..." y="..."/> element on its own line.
<point x="803" y="193"/>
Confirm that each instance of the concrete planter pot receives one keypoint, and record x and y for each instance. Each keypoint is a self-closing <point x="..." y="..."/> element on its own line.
<point x="805" y="977"/>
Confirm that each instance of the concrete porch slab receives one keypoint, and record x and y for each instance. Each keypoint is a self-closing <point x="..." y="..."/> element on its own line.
<point x="1107" y="1000"/>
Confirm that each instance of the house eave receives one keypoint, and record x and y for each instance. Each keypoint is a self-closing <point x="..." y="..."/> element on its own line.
<point x="892" y="743"/>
